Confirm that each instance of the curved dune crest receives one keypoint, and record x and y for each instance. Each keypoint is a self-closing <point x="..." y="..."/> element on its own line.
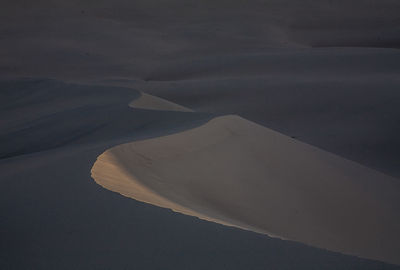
<point x="150" y="102"/>
<point x="235" y="172"/>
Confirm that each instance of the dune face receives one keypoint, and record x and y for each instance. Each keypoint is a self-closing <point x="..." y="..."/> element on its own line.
<point x="238" y="173"/>
<point x="149" y="102"/>
<point x="342" y="100"/>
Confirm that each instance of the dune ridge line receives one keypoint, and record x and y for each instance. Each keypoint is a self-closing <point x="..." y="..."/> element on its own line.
<point x="238" y="173"/>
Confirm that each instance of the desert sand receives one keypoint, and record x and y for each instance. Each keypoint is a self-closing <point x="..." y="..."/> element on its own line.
<point x="150" y="102"/>
<point x="324" y="73"/>
<point x="60" y="216"/>
<point x="235" y="172"/>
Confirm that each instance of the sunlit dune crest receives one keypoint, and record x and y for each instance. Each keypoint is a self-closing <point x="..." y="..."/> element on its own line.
<point x="150" y="102"/>
<point x="235" y="172"/>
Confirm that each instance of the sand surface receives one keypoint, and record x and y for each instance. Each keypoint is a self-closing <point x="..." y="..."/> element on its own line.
<point x="54" y="216"/>
<point x="236" y="172"/>
<point x="325" y="73"/>
<point x="149" y="102"/>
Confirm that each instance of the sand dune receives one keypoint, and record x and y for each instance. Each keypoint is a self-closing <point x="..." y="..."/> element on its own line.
<point x="54" y="216"/>
<point x="323" y="72"/>
<point x="236" y="172"/>
<point x="150" y="102"/>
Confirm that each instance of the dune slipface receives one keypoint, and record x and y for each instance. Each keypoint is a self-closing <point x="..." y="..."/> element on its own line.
<point x="235" y="172"/>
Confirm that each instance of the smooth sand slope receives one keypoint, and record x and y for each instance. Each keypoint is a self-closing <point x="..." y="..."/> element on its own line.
<point x="54" y="216"/>
<point x="236" y="172"/>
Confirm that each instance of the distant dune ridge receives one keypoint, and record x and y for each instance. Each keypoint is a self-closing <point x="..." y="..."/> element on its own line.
<point x="150" y="102"/>
<point x="235" y="172"/>
<point x="132" y="38"/>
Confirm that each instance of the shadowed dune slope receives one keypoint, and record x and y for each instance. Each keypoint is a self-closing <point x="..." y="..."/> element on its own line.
<point x="236" y="172"/>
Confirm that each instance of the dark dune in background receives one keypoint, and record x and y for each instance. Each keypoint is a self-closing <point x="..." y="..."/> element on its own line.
<point x="92" y="39"/>
<point x="325" y="72"/>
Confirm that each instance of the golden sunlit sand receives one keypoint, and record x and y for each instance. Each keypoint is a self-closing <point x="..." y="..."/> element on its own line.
<point x="235" y="172"/>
